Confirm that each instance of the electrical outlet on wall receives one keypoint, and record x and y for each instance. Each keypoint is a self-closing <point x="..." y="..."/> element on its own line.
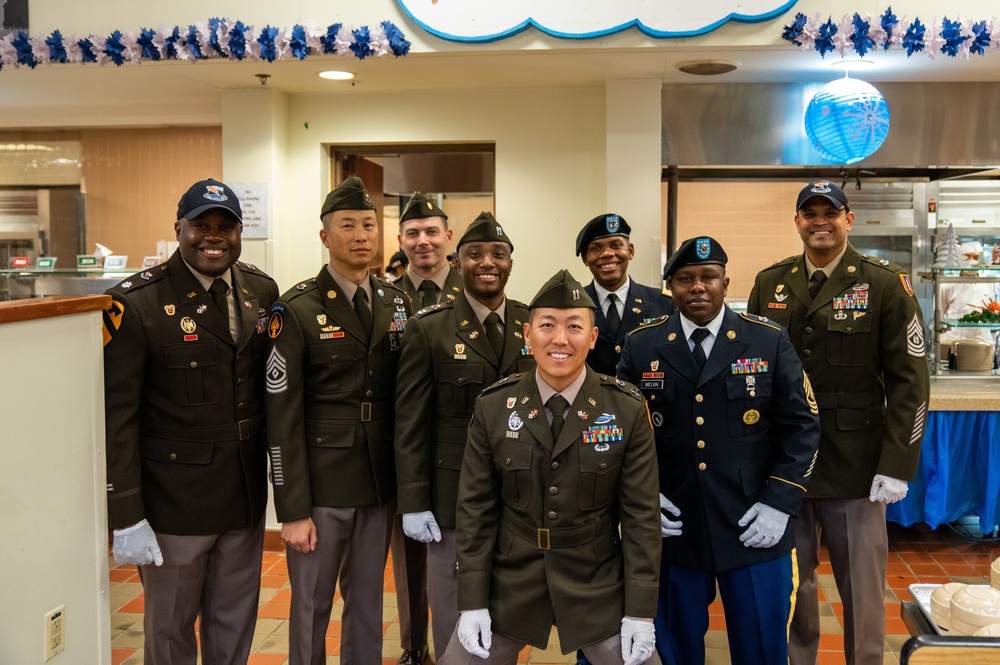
<point x="55" y="631"/>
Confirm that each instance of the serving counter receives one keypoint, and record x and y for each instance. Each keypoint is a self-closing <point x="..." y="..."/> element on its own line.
<point x="959" y="470"/>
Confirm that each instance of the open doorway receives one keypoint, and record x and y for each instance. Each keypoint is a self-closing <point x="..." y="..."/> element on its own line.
<point x="461" y="176"/>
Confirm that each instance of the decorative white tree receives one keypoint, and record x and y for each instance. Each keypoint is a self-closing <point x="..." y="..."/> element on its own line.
<point x="948" y="254"/>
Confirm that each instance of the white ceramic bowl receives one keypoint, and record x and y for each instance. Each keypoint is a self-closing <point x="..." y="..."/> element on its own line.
<point x="941" y="603"/>
<point x="976" y="605"/>
<point x="992" y="630"/>
<point x="995" y="574"/>
<point x="959" y="627"/>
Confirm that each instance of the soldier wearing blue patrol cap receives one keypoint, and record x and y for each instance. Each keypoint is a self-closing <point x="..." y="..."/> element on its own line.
<point x="559" y="464"/>
<point x="860" y="333"/>
<point x="622" y="303"/>
<point x="736" y="433"/>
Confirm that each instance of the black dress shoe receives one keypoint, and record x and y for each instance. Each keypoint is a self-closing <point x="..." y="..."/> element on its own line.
<point x="414" y="657"/>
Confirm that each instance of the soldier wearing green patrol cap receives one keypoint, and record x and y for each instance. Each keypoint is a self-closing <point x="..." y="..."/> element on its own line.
<point x="530" y="512"/>
<point x="420" y="206"/>
<point x="348" y="195"/>
<point x="484" y="228"/>
<point x="424" y="236"/>
<point x="622" y="303"/>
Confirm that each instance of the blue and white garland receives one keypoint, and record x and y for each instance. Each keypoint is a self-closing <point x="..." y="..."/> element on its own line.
<point x="214" y="38"/>
<point x="860" y="36"/>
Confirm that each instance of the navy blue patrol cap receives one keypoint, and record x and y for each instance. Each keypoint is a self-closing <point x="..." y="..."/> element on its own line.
<point x="695" y="252"/>
<point x="824" y="189"/>
<point x="602" y="226"/>
<point x="205" y="195"/>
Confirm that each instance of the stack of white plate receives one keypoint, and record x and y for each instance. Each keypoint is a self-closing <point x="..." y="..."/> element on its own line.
<point x="992" y="630"/>
<point x="973" y="607"/>
<point x="995" y="574"/>
<point x="941" y="603"/>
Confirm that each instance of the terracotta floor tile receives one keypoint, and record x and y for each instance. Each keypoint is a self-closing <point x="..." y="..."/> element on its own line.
<point x="134" y="606"/>
<point x="921" y="569"/>
<point x="123" y="574"/>
<point x="274" y="611"/>
<point x="716" y="622"/>
<point x="334" y="629"/>
<point x="267" y="659"/>
<point x="283" y="596"/>
<point x="831" y="643"/>
<point x="119" y="656"/>
<point x="832" y="658"/>
<point x="273" y="581"/>
<point x="522" y="656"/>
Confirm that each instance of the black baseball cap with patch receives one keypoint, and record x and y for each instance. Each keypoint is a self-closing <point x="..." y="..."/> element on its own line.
<point x="562" y="291"/>
<point x="420" y="206"/>
<point x="206" y="195"/>
<point x="603" y="226"/>
<point x="824" y="189"/>
<point x="348" y="195"/>
<point x="695" y="252"/>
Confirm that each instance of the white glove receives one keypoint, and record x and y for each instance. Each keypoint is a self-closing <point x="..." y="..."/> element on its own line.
<point x="137" y="546"/>
<point x="637" y="640"/>
<point x="668" y="527"/>
<point x="768" y="527"/>
<point x="421" y="526"/>
<point x="473" y="628"/>
<point x="886" y="489"/>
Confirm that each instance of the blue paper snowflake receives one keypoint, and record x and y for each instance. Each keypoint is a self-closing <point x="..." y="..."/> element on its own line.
<point x="792" y="32"/>
<point x="862" y="42"/>
<point x="951" y="33"/>
<point x="268" y="51"/>
<point x="397" y="43"/>
<point x="145" y="42"/>
<point x="238" y="41"/>
<point x="824" y="37"/>
<point x="889" y="23"/>
<point x="193" y="43"/>
<point x="329" y="40"/>
<point x="22" y="45"/>
<point x="57" y="51"/>
<point x="114" y="48"/>
<point x="913" y="40"/>
<point x="362" y="43"/>
<point x="171" y="42"/>
<point x="87" y="50"/>
<point x="980" y="38"/>
<point x="298" y="44"/>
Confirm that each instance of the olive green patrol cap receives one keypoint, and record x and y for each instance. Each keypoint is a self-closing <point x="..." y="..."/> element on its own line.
<point x="420" y="207"/>
<point x="485" y="228"/>
<point x="562" y="291"/>
<point x="348" y="195"/>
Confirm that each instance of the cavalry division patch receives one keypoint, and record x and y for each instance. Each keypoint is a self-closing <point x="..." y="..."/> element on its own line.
<point x="112" y="320"/>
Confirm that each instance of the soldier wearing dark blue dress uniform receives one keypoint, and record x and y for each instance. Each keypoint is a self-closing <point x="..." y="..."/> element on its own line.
<point x="603" y="245"/>
<point x="736" y="430"/>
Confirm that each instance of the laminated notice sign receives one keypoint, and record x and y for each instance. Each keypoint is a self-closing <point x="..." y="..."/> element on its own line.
<point x="253" y="201"/>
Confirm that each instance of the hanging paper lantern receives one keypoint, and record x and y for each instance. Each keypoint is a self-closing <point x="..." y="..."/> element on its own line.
<point x="847" y="120"/>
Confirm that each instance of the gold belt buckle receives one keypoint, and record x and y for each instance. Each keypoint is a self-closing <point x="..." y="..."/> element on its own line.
<point x="366" y="411"/>
<point x="544" y="539"/>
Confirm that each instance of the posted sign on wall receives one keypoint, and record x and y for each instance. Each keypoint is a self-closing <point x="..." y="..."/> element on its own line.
<point x="489" y="20"/>
<point x="253" y="201"/>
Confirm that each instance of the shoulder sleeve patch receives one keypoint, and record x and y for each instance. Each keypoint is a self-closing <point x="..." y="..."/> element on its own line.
<point x="907" y="285"/>
<point x="761" y="320"/>
<point x="112" y="319"/>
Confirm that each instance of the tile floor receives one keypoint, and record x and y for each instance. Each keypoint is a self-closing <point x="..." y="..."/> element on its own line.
<point x="917" y="555"/>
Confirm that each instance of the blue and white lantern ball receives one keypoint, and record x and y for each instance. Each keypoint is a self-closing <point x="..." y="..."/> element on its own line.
<point x="847" y="120"/>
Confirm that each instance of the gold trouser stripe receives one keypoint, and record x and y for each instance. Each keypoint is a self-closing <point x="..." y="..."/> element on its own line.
<point x="795" y="589"/>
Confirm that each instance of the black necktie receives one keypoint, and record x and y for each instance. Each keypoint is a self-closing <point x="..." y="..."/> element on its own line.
<point x="218" y="291"/>
<point x="557" y="405"/>
<point x="816" y="282"/>
<point x="364" y="314"/>
<point x="614" y="318"/>
<point x="698" y="336"/>
<point x="428" y="293"/>
<point x="493" y="333"/>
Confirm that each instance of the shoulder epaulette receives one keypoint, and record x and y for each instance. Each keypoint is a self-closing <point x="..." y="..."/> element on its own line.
<point x="783" y="262"/>
<point x="885" y="264"/>
<point x="300" y="288"/>
<point x="652" y="323"/>
<point x="624" y="386"/>
<point x="252" y="269"/>
<point x="505" y="381"/>
<point x="389" y="285"/>
<point x="141" y="279"/>
<point x="762" y="320"/>
<point x="439" y="307"/>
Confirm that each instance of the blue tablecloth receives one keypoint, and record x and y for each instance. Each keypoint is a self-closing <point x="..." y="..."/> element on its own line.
<point x="959" y="471"/>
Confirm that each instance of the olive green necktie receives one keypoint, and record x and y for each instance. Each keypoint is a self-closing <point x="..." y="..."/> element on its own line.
<point x="557" y="405"/>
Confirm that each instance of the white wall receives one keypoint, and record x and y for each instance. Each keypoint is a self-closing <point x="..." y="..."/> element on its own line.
<point x="54" y="517"/>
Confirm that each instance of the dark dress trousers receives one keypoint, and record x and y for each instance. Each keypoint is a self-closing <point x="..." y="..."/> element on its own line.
<point x="538" y="520"/>
<point x="643" y="303"/>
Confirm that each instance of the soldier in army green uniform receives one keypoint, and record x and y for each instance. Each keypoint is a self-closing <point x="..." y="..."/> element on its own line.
<point x="424" y="236"/>
<point x="451" y="352"/>
<point x="860" y="334"/>
<point x="184" y="356"/>
<point x="330" y="382"/>
<point x="558" y="515"/>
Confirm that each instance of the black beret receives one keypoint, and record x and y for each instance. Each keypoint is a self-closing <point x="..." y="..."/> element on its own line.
<point x="206" y="195"/>
<point x="420" y="207"/>
<point x="562" y="291"/>
<point x="348" y="195"/>
<point x="825" y="189"/>
<point x="602" y="226"/>
<point x="485" y="228"/>
<point x="695" y="252"/>
<point x="401" y="257"/>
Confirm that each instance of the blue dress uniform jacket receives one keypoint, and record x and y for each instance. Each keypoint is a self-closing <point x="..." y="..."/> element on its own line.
<point x="330" y="397"/>
<point x="862" y="342"/>
<point x="644" y="303"/>
<point x="725" y="439"/>
<point x="446" y="362"/>
<point x="538" y="520"/>
<point x="184" y="403"/>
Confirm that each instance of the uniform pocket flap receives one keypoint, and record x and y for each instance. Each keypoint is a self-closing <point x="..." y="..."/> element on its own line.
<point x="190" y="355"/>
<point x="513" y="455"/>
<point x="180" y="452"/>
<point x="852" y="419"/>
<point x="449" y="456"/>
<point x="600" y="457"/>
<point x="329" y="434"/>
<point x="748" y="386"/>
<point x="461" y="373"/>
<point x="336" y="351"/>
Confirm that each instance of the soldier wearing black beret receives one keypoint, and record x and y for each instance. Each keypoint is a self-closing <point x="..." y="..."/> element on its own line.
<point x="397" y="266"/>
<point x="331" y="374"/>
<point x="424" y="236"/>
<point x="557" y="508"/>
<point x="184" y="350"/>
<point x="622" y="304"/>
<point x="736" y="433"/>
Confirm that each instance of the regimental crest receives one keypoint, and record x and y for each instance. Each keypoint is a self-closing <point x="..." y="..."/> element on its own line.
<point x="188" y="325"/>
<point x="460" y="348"/>
<point x="779" y="288"/>
<point x="654" y="365"/>
<point x="215" y="193"/>
<point x="511" y="401"/>
<point x="703" y="248"/>
<point x="514" y="423"/>
<point x="321" y="319"/>
<point x="170" y="309"/>
<point x="612" y="223"/>
<point x="368" y="199"/>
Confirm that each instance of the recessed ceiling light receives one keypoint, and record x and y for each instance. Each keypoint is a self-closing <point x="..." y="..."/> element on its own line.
<point x="707" y="67"/>
<point x="336" y="75"/>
